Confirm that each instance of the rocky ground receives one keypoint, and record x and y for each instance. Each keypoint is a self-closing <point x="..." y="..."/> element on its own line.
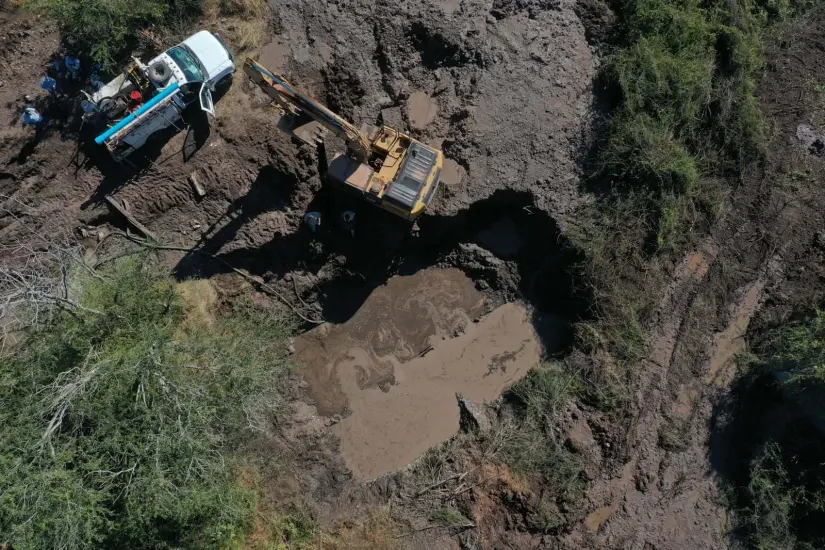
<point x="505" y="88"/>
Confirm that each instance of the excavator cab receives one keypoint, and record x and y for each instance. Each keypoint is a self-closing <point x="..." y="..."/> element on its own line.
<point x="384" y="166"/>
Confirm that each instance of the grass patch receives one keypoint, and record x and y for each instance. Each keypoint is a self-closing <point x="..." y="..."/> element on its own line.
<point x="242" y="22"/>
<point x="109" y="29"/>
<point x="533" y="447"/>
<point x="297" y="530"/>
<point x="684" y="123"/>
<point x="682" y="81"/>
<point x="779" y="496"/>
<point x="122" y="429"/>
<point x="449" y="517"/>
<point x="378" y="532"/>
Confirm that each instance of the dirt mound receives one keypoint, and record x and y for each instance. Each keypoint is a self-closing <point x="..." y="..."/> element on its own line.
<point x="511" y="90"/>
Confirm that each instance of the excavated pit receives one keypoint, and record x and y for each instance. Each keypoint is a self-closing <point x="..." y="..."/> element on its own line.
<point x="502" y="88"/>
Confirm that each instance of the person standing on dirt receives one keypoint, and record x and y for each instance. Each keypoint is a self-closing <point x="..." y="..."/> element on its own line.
<point x="313" y="220"/>
<point x="32" y="117"/>
<point x="349" y="221"/>
<point x="96" y="82"/>
<point x="49" y="84"/>
<point x="56" y="67"/>
<point x="72" y="67"/>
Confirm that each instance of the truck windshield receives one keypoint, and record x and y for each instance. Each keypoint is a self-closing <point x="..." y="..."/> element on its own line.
<point x="187" y="63"/>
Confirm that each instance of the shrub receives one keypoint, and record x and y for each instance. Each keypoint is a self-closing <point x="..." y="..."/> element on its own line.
<point x="120" y="428"/>
<point x="685" y="80"/>
<point x="109" y="28"/>
<point x="781" y="492"/>
<point x="685" y="121"/>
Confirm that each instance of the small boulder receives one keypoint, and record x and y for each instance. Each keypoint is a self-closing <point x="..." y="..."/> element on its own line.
<point x="819" y="238"/>
<point x="473" y="418"/>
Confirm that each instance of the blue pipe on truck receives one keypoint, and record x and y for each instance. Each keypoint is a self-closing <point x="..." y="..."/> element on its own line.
<point x="169" y="90"/>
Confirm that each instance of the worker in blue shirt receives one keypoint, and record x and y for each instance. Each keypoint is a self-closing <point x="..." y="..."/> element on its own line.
<point x="349" y="221"/>
<point x="96" y="82"/>
<point x="49" y="84"/>
<point x="72" y="67"/>
<point x="32" y="117"/>
<point x="313" y="220"/>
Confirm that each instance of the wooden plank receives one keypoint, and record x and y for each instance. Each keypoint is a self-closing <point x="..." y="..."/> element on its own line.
<point x="131" y="219"/>
<point x="196" y="185"/>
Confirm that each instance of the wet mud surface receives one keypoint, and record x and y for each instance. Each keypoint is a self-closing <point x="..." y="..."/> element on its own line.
<point x="394" y="369"/>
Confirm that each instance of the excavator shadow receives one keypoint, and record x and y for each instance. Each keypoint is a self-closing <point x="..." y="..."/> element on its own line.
<point x="269" y="191"/>
<point x="511" y="250"/>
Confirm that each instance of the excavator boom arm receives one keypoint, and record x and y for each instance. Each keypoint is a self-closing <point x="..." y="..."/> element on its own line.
<point x="279" y="88"/>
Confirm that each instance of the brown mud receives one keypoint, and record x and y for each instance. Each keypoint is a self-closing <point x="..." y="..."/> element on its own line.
<point x="395" y="368"/>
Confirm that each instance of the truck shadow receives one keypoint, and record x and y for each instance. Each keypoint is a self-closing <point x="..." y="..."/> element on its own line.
<point x="116" y="175"/>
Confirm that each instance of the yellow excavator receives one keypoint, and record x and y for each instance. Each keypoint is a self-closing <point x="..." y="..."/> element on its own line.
<point x="383" y="165"/>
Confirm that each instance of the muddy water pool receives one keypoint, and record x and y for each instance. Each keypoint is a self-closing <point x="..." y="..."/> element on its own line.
<point x="393" y="370"/>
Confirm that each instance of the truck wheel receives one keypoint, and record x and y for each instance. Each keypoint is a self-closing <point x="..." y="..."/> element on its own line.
<point x="159" y="73"/>
<point x="108" y="106"/>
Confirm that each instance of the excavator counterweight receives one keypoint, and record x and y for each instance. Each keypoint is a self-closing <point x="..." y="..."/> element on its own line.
<point x="383" y="165"/>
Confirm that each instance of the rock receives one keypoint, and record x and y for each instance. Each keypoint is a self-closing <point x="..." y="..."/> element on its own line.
<point x="393" y="117"/>
<point x="473" y="417"/>
<point x="196" y="185"/>
<point x="819" y="238"/>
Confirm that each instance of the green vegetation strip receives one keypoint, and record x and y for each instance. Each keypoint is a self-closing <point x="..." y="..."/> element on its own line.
<point x="684" y="123"/>
<point x="780" y="497"/>
<point x="108" y="30"/>
<point x="121" y="429"/>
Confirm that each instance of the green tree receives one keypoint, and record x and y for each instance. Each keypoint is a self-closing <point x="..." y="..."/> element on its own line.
<point x="121" y="422"/>
<point x="109" y="28"/>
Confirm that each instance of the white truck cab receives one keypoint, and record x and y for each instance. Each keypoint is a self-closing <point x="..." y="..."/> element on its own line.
<point x="154" y="95"/>
<point x="202" y="57"/>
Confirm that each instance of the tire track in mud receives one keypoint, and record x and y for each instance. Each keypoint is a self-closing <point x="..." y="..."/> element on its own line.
<point x="668" y="499"/>
<point x="643" y="431"/>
